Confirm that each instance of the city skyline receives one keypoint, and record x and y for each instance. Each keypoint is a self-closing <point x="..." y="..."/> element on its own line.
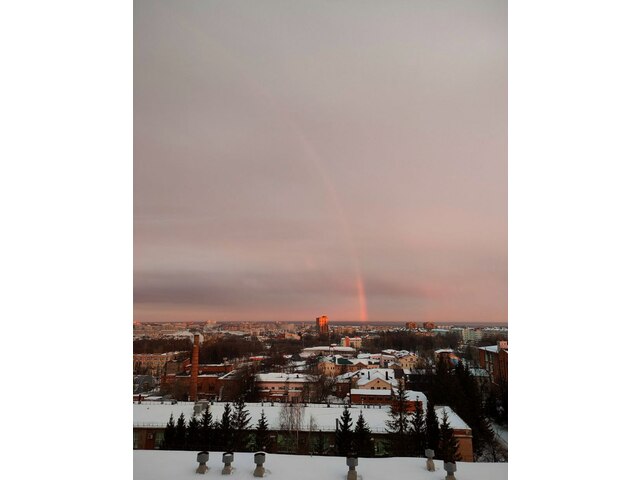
<point x="320" y="159"/>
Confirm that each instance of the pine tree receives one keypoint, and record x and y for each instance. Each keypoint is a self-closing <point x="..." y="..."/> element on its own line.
<point x="418" y="432"/>
<point x="448" y="443"/>
<point x="193" y="433"/>
<point x="363" y="443"/>
<point x="206" y="430"/>
<point x="226" y="429"/>
<point x="263" y="441"/>
<point x="344" y="440"/>
<point x="321" y="445"/>
<point x="433" y="429"/>
<point x="181" y="433"/>
<point x="240" y="425"/>
<point x="169" y="434"/>
<point x="398" y="425"/>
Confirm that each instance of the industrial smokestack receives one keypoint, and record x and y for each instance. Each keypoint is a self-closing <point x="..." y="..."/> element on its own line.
<point x="193" y="390"/>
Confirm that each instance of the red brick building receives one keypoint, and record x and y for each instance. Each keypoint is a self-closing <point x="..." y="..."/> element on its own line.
<point x="495" y="360"/>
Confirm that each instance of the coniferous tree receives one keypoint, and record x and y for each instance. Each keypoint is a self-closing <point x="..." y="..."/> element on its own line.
<point x="181" y="433"/>
<point x="418" y="432"/>
<point x="263" y="441"/>
<point x="398" y="425"/>
<point x="193" y="433"/>
<point x="362" y="441"/>
<point x="206" y="430"/>
<point x="433" y="429"/>
<point x="448" y="443"/>
<point x="321" y="445"/>
<point x="225" y="433"/>
<point x="169" y="434"/>
<point x="240" y="425"/>
<point x="344" y="439"/>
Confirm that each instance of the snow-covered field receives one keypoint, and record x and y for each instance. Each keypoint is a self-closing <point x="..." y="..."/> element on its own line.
<point x="171" y="465"/>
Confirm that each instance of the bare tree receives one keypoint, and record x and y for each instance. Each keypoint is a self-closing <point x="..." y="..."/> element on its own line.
<point x="313" y="426"/>
<point x="291" y="415"/>
<point x="321" y="386"/>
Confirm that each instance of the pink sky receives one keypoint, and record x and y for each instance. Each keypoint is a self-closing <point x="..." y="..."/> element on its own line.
<point x="293" y="159"/>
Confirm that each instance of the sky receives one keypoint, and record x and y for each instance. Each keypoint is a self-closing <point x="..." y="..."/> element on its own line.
<point x="302" y="158"/>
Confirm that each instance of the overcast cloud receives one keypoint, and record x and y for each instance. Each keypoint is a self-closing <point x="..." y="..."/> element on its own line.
<point x="286" y="153"/>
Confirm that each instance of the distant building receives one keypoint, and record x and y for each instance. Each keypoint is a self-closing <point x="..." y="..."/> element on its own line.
<point x="495" y="360"/>
<point x="354" y="342"/>
<point x="284" y="387"/>
<point x="328" y="350"/>
<point x="322" y="325"/>
<point x="471" y="335"/>
<point x="408" y="361"/>
<point x="154" y="363"/>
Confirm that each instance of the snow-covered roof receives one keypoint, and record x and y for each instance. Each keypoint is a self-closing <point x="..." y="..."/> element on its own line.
<point x="368" y="391"/>
<point x="157" y="415"/>
<point x="328" y="347"/>
<point x="444" y="350"/>
<point x="415" y="396"/>
<point x="367" y="375"/>
<point x="181" y="465"/>
<point x="454" y="420"/>
<point x="282" y="377"/>
<point x="490" y="348"/>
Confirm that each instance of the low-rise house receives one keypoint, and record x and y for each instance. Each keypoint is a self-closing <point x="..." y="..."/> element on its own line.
<point x="315" y="421"/>
<point x="285" y="387"/>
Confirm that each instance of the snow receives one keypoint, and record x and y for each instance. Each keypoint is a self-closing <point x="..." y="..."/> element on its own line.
<point x="501" y="433"/>
<point x="492" y="348"/>
<point x="324" y="417"/>
<point x="281" y="377"/>
<point x="157" y="415"/>
<point x="367" y="391"/>
<point x="478" y="372"/>
<point x="454" y="420"/>
<point x="180" y="465"/>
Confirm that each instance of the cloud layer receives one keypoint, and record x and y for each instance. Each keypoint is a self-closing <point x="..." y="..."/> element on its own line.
<point x="283" y="150"/>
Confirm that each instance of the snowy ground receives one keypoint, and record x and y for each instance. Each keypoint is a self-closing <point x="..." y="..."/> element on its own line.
<point x="501" y="433"/>
<point x="170" y="465"/>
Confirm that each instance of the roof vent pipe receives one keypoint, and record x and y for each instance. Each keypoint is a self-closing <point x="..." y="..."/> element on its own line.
<point x="203" y="458"/>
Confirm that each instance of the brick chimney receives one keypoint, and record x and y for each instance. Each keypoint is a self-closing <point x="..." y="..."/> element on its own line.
<point x="193" y="387"/>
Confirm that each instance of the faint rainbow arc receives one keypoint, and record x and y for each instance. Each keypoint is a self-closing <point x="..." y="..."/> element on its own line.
<point x="312" y="157"/>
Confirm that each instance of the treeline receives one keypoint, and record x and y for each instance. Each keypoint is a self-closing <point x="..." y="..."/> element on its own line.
<point x="161" y="345"/>
<point x="410" y="341"/>
<point x="457" y="388"/>
<point x="230" y="433"/>
<point x="217" y="350"/>
<point x="491" y="339"/>
<point x="409" y="433"/>
<point x="412" y="432"/>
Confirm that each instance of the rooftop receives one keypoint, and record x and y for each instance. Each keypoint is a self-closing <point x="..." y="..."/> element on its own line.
<point x="149" y="414"/>
<point x="179" y="465"/>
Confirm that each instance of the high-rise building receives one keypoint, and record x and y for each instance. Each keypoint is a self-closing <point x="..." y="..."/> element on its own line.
<point x="322" y="325"/>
